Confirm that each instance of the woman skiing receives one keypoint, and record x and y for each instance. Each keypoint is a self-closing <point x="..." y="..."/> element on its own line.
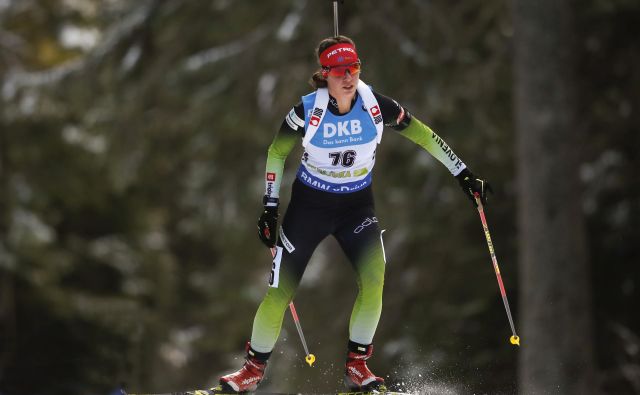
<point x="340" y="125"/>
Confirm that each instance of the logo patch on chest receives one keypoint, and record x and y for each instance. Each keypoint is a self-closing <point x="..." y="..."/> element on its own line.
<point x="339" y="129"/>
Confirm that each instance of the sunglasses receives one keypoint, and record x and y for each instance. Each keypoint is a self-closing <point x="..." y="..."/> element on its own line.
<point x="339" y="71"/>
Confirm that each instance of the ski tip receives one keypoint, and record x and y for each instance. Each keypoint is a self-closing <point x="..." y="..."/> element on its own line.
<point x="515" y="340"/>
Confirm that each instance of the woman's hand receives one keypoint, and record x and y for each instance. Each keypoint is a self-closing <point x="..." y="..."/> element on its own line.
<point x="268" y="225"/>
<point x="471" y="185"/>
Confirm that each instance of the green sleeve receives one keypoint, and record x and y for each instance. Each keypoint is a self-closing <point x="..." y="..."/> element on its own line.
<point x="422" y="135"/>
<point x="278" y="151"/>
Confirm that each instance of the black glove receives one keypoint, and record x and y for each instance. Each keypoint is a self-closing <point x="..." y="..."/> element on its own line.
<point x="471" y="185"/>
<point x="268" y="222"/>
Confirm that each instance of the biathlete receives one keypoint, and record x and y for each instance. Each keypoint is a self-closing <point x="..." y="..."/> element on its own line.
<point x="340" y="126"/>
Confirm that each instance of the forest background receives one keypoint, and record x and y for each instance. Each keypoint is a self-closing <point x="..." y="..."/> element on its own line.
<point x="133" y="138"/>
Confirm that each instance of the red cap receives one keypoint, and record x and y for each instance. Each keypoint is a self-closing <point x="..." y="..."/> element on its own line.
<point x="338" y="55"/>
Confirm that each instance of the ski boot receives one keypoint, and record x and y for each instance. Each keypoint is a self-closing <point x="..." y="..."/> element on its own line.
<point x="358" y="377"/>
<point x="249" y="376"/>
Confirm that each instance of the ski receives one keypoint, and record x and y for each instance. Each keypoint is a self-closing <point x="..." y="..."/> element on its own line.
<point x="218" y="391"/>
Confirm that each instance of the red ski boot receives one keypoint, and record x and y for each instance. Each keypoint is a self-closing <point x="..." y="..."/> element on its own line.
<point x="358" y="377"/>
<point x="249" y="376"/>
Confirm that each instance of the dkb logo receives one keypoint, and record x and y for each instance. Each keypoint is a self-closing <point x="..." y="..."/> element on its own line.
<point x="346" y="128"/>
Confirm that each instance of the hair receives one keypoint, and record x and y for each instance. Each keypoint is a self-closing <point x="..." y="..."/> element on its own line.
<point x="317" y="80"/>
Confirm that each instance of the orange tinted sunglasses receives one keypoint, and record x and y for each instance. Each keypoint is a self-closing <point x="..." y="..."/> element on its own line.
<point x="339" y="71"/>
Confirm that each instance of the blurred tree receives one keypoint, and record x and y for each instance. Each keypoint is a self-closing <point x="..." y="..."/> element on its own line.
<point x="557" y="334"/>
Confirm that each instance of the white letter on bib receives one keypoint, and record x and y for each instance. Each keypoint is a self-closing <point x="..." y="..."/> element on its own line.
<point x="342" y="128"/>
<point x="355" y="126"/>
<point x="329" y="130"/>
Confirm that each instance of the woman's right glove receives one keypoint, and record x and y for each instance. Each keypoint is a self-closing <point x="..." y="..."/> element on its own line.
<point x="471" y="185"/>
<point x="268" y="222"/>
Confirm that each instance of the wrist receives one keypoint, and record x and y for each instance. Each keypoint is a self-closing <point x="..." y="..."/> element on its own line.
<point x="465" y="173"/>
<point x="269" y="201"/>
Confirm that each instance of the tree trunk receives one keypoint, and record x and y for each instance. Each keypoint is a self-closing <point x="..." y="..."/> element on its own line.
<point x="557" y="345"/>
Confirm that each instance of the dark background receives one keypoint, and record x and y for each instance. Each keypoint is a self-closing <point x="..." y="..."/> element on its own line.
<point x="133" y="138"/>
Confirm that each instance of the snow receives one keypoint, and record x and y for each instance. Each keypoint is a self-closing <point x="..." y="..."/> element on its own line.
<point x="18" y="79"/>
<point x="26" y="225"/>
<point x="72" y="36"/>
<point x="291" y="21"/>
<point x="131" y="58"/>
<point x="85" y="8"/>
<point x="76" y="136"/>
<point x="179" y="349"/>
<point x="266" y="87"/>
<point x="212" y="55"/>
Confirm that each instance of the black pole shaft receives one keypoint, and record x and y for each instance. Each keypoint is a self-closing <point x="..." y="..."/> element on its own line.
<point x="335" y="18"/>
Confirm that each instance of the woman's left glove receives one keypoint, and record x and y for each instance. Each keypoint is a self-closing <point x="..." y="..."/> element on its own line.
<point x="471" y="185"/>
<point x="268" y="222"/>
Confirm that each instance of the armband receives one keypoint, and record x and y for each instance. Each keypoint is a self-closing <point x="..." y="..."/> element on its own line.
<point x="269" y="201"/>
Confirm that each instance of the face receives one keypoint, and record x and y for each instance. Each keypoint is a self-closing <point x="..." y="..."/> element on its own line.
<point x="343" y="85"/>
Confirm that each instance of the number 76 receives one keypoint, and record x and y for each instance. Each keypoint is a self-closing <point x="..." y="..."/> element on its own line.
<point x="346" y="158"/>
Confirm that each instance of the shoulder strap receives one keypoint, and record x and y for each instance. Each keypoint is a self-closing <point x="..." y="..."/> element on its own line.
<point x="373" y="109"/>
<point x="319" y="109"/>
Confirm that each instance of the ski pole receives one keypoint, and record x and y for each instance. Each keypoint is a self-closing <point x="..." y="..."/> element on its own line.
<point x="335" y="18"/>
<point x="514" y="339"/>
<point x="309" y="358"/>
